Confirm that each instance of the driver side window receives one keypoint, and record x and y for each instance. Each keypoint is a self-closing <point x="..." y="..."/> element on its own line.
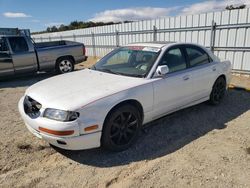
<point x="174" y="59"/>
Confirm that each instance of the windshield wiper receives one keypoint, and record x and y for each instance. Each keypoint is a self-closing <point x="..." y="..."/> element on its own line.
<point x="135" y="75"/>
<point x="120" y="73"/>
<point x="108" y="71"/>
<point x="132" y="75"/>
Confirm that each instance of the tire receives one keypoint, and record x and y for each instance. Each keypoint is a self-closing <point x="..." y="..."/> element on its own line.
<point x="64" y="65"/>
<point x="121" y="128"/>
<point x="218" y="91"/>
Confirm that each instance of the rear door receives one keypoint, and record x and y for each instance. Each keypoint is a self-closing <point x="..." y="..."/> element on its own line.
<point x="175" y="89"/>
<point x="23" y="55"/>
<point x="203" y="70"/>
<point x="6" y="65"/>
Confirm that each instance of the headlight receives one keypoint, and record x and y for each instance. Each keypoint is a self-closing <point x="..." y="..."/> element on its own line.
<point x="60" y="115"/>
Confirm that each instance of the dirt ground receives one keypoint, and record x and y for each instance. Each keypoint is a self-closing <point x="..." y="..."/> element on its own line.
<point x="200" y="146"/>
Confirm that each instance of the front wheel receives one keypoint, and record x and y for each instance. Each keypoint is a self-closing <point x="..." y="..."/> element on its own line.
<point x="64" y="65"/>
<point x="218" y="91"/>
<point x="121" y="128"/>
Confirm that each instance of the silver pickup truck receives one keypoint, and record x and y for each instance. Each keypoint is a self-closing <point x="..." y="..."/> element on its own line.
<point x="20" y="55"/>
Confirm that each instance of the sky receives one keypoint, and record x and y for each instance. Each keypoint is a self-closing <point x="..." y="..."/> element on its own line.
<point x="37" y="15"/>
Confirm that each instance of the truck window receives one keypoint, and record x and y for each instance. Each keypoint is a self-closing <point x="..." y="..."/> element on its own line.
<point x="18" y="44"/>
<point x="3" y="45"/>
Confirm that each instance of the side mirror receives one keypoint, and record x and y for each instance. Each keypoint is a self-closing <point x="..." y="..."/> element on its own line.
<point x="162" y="70"/>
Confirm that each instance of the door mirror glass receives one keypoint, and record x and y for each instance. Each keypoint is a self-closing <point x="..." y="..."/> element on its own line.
<point x="162" y="70"/>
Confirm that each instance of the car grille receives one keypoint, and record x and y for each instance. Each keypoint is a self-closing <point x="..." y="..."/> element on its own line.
<point x="31" y="107"/>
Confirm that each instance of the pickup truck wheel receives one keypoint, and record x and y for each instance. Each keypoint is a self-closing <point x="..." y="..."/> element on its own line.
<point x="64" y="65"/>
<point x="218" y="91"/>
<point x="121" y="128"/>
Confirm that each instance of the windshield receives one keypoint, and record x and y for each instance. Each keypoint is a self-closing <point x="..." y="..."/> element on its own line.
<point x="133" y="61"/>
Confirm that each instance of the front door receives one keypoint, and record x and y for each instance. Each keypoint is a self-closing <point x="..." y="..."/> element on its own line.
<point x="24" y="58"/>
<point x="174" y="89"/>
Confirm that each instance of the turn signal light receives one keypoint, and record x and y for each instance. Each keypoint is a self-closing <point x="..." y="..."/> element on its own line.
<point x="58" y="133"/>
<point x="91" y="128"/>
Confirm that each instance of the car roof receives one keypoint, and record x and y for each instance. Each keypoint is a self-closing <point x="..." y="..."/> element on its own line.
<point x="152" y="44"/>
<point x="162" y="44"/>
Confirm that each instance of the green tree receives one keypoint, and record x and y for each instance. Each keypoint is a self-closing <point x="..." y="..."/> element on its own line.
<point x="48" y="29"/>
<point x="53" y="29"/>
<point x="76" y="25"/>
<point x="232" y="7"/>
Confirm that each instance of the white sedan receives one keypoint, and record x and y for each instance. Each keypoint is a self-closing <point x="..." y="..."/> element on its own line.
<point x="108" y="104"/>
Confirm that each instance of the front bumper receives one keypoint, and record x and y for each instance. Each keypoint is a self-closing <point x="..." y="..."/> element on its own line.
<point x="75" y="141"/>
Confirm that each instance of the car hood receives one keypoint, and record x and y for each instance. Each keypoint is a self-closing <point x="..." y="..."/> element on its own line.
<point x="73" y="90"/>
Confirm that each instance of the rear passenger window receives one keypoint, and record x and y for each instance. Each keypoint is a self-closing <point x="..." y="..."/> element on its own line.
<point x="18" y="44"/>
<point x="197" y="56"/>
<point x="174" y="60"/>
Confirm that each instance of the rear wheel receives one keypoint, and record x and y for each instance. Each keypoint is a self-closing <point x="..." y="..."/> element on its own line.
<point x="218" y="91"/>
<point x="121" y="128"/>
<point x="64" y="65"/>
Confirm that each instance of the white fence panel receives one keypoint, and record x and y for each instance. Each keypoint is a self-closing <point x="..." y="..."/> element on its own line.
<point x="231" y="40"/>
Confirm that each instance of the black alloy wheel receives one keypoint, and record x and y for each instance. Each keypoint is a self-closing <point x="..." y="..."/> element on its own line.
<point x="218" y="91"/>
<point x="121" y="128"/>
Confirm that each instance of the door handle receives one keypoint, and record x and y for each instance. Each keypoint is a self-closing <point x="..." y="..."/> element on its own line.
<point x="186" y="77"/>
<point x="214" y="68"/>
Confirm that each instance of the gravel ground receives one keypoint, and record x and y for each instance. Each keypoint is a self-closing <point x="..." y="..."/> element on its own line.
<point x="199" y="146"/>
